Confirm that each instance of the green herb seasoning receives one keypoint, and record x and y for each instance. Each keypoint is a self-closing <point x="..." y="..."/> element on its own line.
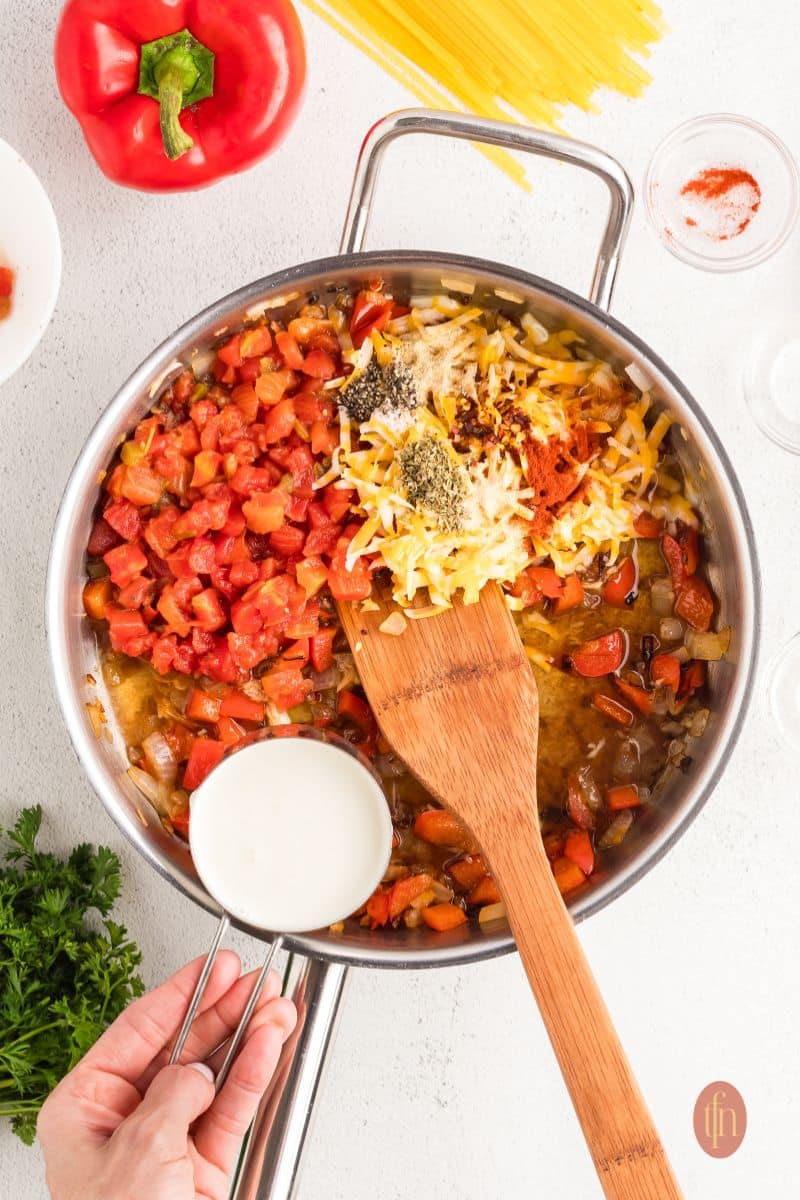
<point x="389" y="388"/>
<point x="433" y="481"/>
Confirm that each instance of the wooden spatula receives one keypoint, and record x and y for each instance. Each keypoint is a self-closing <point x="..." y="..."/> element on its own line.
<point x="455" y="696"/>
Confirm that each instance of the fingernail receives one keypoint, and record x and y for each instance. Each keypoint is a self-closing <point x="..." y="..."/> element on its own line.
<point x="203" y="1069"/>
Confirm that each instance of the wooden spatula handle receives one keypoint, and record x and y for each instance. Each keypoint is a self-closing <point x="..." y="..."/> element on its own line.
<point x="628" y="1155"/>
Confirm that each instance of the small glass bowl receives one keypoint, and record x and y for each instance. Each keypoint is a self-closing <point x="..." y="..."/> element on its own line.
<point x="721" y="140"/>
<point x="783" y="692"/>
<point x="772" y="381"/>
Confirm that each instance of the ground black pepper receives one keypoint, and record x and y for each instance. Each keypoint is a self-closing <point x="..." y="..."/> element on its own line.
<point x="433" y="481"/>
<point x="389" y="387"/>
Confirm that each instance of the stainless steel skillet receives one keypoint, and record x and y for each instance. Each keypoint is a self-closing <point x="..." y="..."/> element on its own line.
<point x="320" y="962"/>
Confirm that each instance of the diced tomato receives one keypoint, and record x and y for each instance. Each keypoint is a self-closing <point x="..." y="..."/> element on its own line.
<point x="271" y="598"/>
<point x="101" y="539"/>
<point x="441" y="828"/>
<point x="124" y="519"/>
<point x="665" y="669"/>
<point x="292" y="354"/>
<point x="352" y="708"/>
<point x="180" y="741"/>
<point x="243" y="573"/>
<point x="202" y="556"/>
<point x="279" y="422"/>
<point x="124" y="562"/>
<point x="571" y="597"/>
<point x="163" y="654"/>
<point x="249" y="650"/>
<point x="624" y="796"/>
<point x="207" y="466"/>
<point x="172" y="611"/>
<point x="202" y="706"/>
<point x="568" y="875"/>
<point x="97" y="594"/>
<point x="255" y="343"/>
<point x="406" y="890"/>
<point x="648" y="526"/>
<point x="693" y="602"/>
<point x="693" y="677"/>
<point x="601" y="655"/>
<point x="311" y="575"/>
<point x="141" y="486"/>
<point x="245" y="398"/>
<point x="620" y="588"/>
<point x="158" y="531"/>
<point x="287" y="540"/>
<point x="578" y="848"/>
<point x="218" y="662"/>
<point x="295" y="654"/>
<point x="237" y="704"/>
<point x="637" y="696"/>
<point x="264" y="511"/>
<point x="204" y="755"/>
<point x="137" y="592"/>
<point x="124" y="626"/>
<point x="612" y="708"/>
<point x="320" y="648"/>
<point x="286" y="688"/>
<point x="208" y="612"/>
<point x="246" y="617"/>
<point x="355" y="584"/>
<point x="318" y="364"/>
<point x="231" y="353"/>
<point x="324" y="439"/>
<point x="443" y="917"/>
<point x="271" y="388"/>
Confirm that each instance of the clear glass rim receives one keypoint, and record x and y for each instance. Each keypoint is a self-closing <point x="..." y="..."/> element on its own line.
<point x="693" y="258"/>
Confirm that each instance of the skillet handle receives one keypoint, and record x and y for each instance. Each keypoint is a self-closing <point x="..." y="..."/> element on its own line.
<point x="510" y="137"/>
<point x="270" y="1163"/>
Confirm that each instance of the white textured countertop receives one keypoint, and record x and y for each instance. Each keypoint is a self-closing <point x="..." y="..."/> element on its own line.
<point x="443" y="1083"/>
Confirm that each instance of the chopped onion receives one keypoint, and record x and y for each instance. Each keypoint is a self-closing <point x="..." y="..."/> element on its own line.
<point x="328" y="678"/>
<point x="160" y="759"/>
<point x="681" y="653"/>
<point x="617" y="829"/>
<point x="412" y="918"/>
<point x="395" y="624"/>
<point x="710" y="647"/>
<point x="662" y="597"/>
<point x="626" y="762"/>
<point x="157" y="793"/>
<point x="670" y="629"/>
<point x="389" y="766"/>
<point x="589" y="788"/>
<point x="660" y="701"/>
<point x="697" y="726"/>
<point x="492" y="912"/>
<point x="347" y="665"/>
<point x="443" y="894"/>
<point x="638" y="377"/>
<point x="252" y="689"/>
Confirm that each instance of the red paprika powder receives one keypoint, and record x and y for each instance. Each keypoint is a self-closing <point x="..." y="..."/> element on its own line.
<point x="722" y="201"/>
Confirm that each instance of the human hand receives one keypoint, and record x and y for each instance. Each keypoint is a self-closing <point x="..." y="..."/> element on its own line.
<point x="123" y="1124"/>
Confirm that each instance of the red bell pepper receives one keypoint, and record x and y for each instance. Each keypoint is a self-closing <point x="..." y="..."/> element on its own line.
<point x="174" y="94"/>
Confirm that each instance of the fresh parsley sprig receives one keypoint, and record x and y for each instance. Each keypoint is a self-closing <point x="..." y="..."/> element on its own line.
<point x="63" y="978"/>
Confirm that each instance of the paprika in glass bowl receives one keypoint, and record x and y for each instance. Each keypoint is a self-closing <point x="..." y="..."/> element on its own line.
<point x="173" y="96"/>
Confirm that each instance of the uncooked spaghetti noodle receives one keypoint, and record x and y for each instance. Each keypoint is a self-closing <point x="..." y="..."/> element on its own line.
<point x="520" y="59"/>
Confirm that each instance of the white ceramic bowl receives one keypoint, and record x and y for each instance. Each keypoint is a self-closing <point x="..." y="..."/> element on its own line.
<point x="30" y="245"/>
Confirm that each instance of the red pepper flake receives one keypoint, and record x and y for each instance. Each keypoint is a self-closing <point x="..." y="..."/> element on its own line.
<point x="723" y="201"/>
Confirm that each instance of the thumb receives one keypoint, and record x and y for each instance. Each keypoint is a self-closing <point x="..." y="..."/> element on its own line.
<point x="176" y="1097"/>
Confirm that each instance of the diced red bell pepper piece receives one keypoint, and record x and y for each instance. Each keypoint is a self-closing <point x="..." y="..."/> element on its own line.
<point x="202" y="706"/>
<point x="665" y="670"/>
<point x="236" y="704"/>
<point x="204" y="755"/>
<point x="578" y="848"/>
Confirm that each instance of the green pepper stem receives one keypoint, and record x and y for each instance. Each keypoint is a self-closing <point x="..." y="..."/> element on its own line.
<point x="170" y="99"/>
<point x="176" y="71"/>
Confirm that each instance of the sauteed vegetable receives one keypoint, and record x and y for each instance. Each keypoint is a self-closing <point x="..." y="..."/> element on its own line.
<point x="432" y="447"/>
